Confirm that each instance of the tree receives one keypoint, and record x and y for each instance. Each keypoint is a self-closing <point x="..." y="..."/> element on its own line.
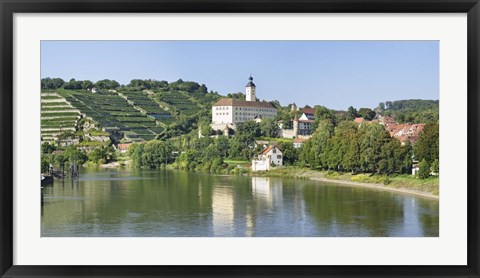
<point x="435" y="166"/>
<point x="87" y="84"/>
<point x="73" y="85"/>
<point x="72" y="155"/>
<point x="97" y="155"/>
<point x="348" y="144"/>
<point x="268" y="128"/>
<point x="222" y="144"/>
<point x="135" y="152"/>
<point x="45" y="164"/>
<point x="323" y="113"/>
<point x="427" y="145"/>
<point x="107" y="84"/>
<point x="366" y="113"/>
<point x="47" y="148"/>
<point x="290" y="154"/>
<point x="314" y="151"/>
<point x="424" y="169"/>
<point x="352" y="113"/>
<point x="374" y="138"/>
<point x="51" y="83"/>
<point x="59" y="160"/>
<point x="381" y="107"/>
<point x="204" y="124"/>
<point x="155" y="153"/>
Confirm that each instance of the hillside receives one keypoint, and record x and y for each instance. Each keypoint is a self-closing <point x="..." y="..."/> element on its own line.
<point x="411" y="110"/>
<point x="57" y="116"/>
<point x="138" y="113"/>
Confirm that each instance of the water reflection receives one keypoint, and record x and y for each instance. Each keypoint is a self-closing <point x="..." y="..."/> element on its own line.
<point x="172" y="203"/>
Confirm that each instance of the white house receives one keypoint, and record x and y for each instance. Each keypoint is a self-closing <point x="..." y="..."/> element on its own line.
<point x="229" y="112"/>
<point x="298" y="142"/>
<point x="270" y="155"/>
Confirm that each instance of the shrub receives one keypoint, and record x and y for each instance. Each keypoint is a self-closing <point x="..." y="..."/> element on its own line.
<point x="424" y="169"/>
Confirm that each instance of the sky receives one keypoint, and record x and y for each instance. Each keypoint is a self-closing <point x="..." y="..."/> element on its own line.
<point x="335" y="74"/>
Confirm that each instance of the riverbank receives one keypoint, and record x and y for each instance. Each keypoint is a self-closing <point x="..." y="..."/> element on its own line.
<point x="401" y="183"/>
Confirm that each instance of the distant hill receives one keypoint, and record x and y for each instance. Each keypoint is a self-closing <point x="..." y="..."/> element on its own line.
<point x="411" y="110"/>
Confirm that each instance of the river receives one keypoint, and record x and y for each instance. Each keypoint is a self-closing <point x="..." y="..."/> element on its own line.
<point x="167" y="203"/>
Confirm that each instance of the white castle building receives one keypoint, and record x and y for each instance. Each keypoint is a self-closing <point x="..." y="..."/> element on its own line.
<point x="228" y="112"/>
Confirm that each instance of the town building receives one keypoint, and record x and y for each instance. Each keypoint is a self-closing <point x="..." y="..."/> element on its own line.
<point x="302" y="127"/>
<point x="298" y="142"/>
<point x="123" y="148"/>
<point x="271" y="155"/>
<point x="228" y="112"/>
<point x="403" y="132"/>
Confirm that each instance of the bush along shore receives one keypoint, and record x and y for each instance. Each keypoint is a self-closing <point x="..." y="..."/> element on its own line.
<point x="399" y="183"/>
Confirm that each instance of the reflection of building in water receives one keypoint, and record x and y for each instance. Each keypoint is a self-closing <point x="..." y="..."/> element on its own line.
<point x="223" y="213"/>
<point x="235" y="214"/>
<point x="267" y="189"/>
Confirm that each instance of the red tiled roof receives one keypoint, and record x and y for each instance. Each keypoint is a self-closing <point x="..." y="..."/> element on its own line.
<point x="359" y="120"/>
<point x="123" y="146"/>
<point x="236" y="102"/>
<point x="299" y="140"/>
<point x="267" y="149"/>
<point x="308" y="110"/>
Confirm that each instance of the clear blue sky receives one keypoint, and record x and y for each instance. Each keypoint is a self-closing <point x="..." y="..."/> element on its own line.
<point x="335" y="74"/>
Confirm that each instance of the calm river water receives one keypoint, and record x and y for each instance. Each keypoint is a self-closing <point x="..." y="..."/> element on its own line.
<point x="122" y="203"/>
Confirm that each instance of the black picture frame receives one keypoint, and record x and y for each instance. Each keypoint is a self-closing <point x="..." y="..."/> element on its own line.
<point x="9" y="7"/>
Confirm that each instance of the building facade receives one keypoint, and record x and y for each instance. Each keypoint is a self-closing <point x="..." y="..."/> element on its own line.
<point x="270" y="155"/>
<point x="229" y="112"/>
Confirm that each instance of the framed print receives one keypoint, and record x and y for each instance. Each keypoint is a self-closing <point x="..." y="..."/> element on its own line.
<point x="262" y="139"/>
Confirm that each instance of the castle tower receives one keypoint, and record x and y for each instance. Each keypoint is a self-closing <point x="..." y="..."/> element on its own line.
<point x="226" y="131"/>
<point x="295" y="126"/>
<point x="294" y="107"/>
<point x="250" y="94"/>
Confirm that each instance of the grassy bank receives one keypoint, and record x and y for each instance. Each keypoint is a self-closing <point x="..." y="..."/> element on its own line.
<point x="400" y="182"/>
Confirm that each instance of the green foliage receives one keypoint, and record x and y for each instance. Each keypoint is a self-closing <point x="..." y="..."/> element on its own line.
<point x="323" y="113"/>
<point x="435" y="166"/>
<point x="268" y="128"/>
<point x="314" y="151"/>
<point x="59" y="160"/>
<point x="151" y="155"/>
<point x="348" y="147"/>
<point x="45" y="163"/>
<point x="47" y="148"/>
<point x="102" y="154"/>
<point x="73" y="85"/>
<point x="147" y="84"/>
<point x="352" y="113"/>
<point x="413" y="110"/>
<point x="155" y="153"/>
<point x="52" y="83"/>
<point x="72" y="155"/>
<point x="367" y="178"/>
<point x="107" y="84"/>
<point x="239" y="96"/>
<point x="290" y="154"/>
<point x="427" y="146"/>
<point x="366" y="113"/>
<point x="424" y="169"/>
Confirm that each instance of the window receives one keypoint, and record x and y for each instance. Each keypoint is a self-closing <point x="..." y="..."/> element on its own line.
<point x="279" y="156"/>
<point x="274" y="151"/>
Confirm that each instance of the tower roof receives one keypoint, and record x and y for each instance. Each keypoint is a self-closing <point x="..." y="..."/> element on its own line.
<point x="250" y="83"/>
